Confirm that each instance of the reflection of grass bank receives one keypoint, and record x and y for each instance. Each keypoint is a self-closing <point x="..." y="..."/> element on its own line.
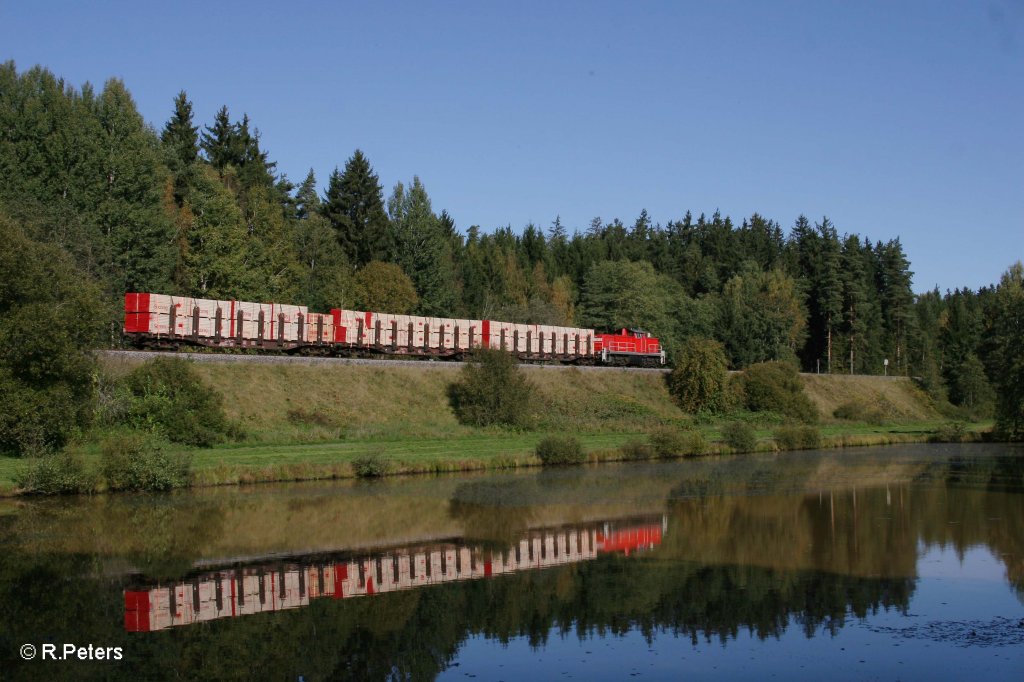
<point x="309" y="421"/>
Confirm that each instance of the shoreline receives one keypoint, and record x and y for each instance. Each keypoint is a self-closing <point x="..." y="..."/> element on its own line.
<point x="211" y="467"/>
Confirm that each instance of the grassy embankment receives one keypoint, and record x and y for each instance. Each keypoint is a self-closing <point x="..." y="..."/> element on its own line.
<point x="306" y="422"/>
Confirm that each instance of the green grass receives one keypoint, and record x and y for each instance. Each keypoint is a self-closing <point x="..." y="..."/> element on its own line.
<point x="307" y="422"/>
<point x="241" y="463"/>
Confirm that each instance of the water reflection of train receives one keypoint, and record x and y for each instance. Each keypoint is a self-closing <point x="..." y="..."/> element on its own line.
<point x="283" y="585"/>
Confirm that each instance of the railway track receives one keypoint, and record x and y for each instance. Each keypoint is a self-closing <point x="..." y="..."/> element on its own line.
<point x="228" y="358"/>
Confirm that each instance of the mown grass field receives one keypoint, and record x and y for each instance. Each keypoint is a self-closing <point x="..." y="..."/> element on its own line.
<point x="304" y="422"/>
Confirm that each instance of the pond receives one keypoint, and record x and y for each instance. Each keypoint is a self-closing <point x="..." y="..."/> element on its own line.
<point x="895" y="563"/>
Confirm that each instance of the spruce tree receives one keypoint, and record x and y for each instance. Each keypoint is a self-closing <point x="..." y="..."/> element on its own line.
<point x="422" y="248"/>
<point x="138" y="232"/>
<point x="181" y="145"/>
<point x="220" y="142"/>
<point x="354" y="206"/>
<point x="307" y="201"/>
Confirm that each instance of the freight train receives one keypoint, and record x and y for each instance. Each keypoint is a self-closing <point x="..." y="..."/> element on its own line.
<point x="159" y="321"/>
<point x="278" y="586"/>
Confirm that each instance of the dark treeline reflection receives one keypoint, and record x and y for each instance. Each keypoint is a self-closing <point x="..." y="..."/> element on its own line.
<point x="761" y="549"/>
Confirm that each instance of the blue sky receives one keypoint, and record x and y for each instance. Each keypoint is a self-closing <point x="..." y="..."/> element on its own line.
<point x="892" y="118"/>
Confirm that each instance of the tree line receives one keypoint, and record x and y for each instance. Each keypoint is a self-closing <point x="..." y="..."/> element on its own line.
<point x="200" y="209"/>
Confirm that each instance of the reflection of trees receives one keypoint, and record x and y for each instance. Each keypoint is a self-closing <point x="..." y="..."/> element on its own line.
<point x="746" y="548"/>
<point x="147" y="531"/>
<point x="491" y="514"/>
<point x="414" y="634"/>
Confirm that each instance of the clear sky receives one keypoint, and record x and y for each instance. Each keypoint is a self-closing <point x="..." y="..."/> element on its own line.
<point x="894" y="119"/>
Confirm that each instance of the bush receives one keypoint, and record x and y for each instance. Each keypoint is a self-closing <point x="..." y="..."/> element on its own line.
<point x="951" y="432"/>
<point x="698" y="381"/>
<point x="555" y="450"/>
<point x="169" y="399"/>
<point x="739" y="436"/>
<point x="776" y="387"/>
<point x="60" y="473"/>
<point x="373" y="465"/>
<point x="140" y="461"/>
<point x="492" y="391"/>
<point x="795" y="437"/>
<point x="637" y="450"/>
<point x="668" y="442"/>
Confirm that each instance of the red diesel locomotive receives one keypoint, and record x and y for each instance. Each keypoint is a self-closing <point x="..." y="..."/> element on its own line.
<point x="170" y="322"/>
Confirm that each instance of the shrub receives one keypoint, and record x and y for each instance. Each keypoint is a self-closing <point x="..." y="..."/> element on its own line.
<point x="696" y="444"/>
<point x="637" y="450"/>
<point x="169" y="399"/>
<point x="739" y="436"/>
<point x="796" y="437"/>
<point x="59" y="473"/>
<point x="668" y="442"/>
<point x="555" y="450"/>
<point x="492" y="391"/>
<point x="140" y="461"/>
<point x="952" y="432"/>
<point x="372" y="465"/>
<point x="698" y="381"/>
<point x="776" y="387"/>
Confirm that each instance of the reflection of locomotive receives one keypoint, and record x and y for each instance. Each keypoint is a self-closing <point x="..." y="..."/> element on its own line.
<point x="160" y="321"/>
<point x="256" y="589"/>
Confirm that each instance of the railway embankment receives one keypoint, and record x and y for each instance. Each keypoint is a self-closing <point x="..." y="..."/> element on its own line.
<point x="310" y="420"/>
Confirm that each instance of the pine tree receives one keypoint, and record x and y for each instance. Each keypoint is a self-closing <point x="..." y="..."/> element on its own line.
<point x="354" y="206"/>
<point x="139" y="233"/>
<point x="307" y="201"/>
<point x="220" y="142"/>
<point x="181" y="146"/>
<point x="422" y="248"/>
<point x="893" y="276"/>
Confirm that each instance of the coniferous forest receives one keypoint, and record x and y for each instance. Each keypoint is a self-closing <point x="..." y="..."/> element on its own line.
<point x="95" y="202"/>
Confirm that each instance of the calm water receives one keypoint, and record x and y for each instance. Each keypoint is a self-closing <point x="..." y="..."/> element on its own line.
<point x="894" y="563"/>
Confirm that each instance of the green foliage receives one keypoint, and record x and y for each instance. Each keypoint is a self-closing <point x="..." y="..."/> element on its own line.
<point x="776" y="387"/>
<point x="181" y="144"/>
<point x="59" y="473"/>
<point x="373" y="465"/>
<point x="668" y="442"/>
<point x="140" y="462"/>
<point x="740" y="436"/>
<point x="423" y="248"/>
<point x="324" y="276"/>
<point x="50" y="316"/>
<point x="698" y="380"/>
<point x="492" y="391"/>
<point x="386" y="288"/>
<point x="169" y="399"/>
<point x="951" y="432"/>
<point x="637" y="450"/>
<point x="559" y="450"/>
<point x="797" y="437"/>
<point x="762" y="316"/>
<point x="354" y="207"/>
<point x="623" y="294"/>
<point x="1007" y="358"/>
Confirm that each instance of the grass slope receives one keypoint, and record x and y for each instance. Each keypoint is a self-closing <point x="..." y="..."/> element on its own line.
<point x="315" y="421"/>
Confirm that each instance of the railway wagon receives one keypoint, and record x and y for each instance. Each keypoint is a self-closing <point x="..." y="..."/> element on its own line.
<point x="168" y="322"/>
